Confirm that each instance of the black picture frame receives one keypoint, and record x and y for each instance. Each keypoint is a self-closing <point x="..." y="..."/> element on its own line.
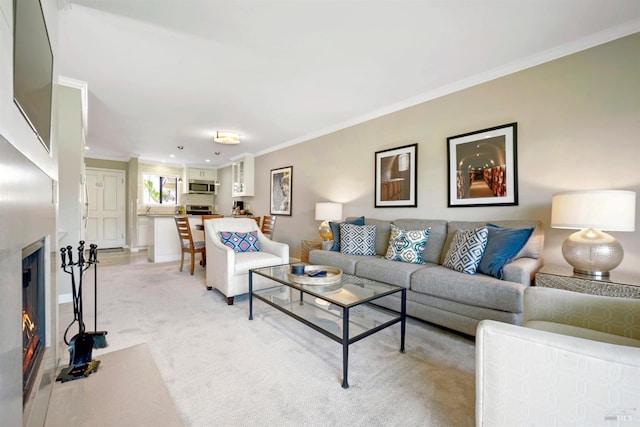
<point x="483" y="167"/>
<point x="281" y="191"/>
<point x="396" y="177"/>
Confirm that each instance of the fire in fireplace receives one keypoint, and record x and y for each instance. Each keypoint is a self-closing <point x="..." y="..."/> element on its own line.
<point x="33" y="314"/>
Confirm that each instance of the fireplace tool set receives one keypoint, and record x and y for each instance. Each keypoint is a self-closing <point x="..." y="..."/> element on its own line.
<point x="81" y="345"/>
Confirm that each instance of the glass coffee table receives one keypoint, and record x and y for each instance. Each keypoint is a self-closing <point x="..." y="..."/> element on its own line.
<point x="342" y="312"/>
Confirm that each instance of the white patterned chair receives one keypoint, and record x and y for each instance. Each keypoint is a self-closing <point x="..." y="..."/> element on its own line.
<point x="228" y="271"/>
<point x="575" y="361"/>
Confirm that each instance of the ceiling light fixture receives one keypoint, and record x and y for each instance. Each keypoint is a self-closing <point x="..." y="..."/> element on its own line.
<point x="224" y="137"/>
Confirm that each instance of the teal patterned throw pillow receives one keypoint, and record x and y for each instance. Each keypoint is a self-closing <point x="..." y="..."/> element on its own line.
<point x="357" y="239"/>
<point x="466" y="250"/>
<point x="406" y="245"/>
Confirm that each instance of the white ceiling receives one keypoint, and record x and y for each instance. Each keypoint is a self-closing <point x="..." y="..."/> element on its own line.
<point x="163" y="73"/>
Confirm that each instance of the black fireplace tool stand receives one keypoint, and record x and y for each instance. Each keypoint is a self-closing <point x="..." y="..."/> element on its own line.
<point x="81" y="364"/>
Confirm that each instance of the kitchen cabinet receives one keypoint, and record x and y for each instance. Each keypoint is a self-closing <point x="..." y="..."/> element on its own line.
<point x="202" y="174"/>
<point x="164" y="243"/>
<point x="143" y="232"/>
<point x="242" y="176"/>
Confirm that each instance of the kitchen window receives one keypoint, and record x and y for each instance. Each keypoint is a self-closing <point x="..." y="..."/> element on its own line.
<point x="160" y="190"/>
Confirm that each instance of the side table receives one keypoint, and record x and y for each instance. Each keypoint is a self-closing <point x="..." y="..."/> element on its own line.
<point x="618" y="285"/>
<point x="306" y="246"/>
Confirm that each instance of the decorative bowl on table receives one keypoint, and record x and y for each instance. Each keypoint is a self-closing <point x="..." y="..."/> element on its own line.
<point x="330" y="281"/>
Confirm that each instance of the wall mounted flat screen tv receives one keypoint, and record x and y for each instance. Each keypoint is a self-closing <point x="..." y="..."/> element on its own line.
<point x="32" y="67"/>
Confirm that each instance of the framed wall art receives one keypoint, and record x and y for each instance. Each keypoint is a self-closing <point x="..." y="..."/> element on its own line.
<point x="396" y="180"/>
<point x="483" y="167"/>
<point x="281" y="180"/>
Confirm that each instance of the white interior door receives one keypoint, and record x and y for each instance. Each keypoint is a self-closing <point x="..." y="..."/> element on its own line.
<point x="106" y="218"/>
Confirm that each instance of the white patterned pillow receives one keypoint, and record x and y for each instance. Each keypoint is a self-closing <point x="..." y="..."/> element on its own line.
<point x="406" y="245"/>
<point x="466" y="250"/>
<point x="357" y="239"/>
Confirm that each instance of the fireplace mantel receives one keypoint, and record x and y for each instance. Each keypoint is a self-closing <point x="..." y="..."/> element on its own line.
<point x="28" y="215"/>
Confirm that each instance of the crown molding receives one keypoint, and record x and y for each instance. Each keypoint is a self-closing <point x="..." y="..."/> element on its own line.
<point x="567" y="49"/>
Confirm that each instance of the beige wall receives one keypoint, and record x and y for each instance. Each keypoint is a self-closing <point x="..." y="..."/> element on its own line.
<point x="106" y="164"/>
<point x="70" y="177"/>
<point x="578" y="128"/>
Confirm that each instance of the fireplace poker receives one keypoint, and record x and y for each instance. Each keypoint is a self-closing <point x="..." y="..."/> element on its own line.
<point x="81" y="363"/>
<point x="99" y="337"/>
<point x="66" y="253"/>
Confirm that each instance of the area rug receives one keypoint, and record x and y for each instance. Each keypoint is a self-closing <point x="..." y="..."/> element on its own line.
<point x="222" y="369"/>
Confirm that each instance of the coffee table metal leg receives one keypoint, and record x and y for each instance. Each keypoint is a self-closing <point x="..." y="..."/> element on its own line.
<point x="403" y="317"/>
<point x="250" y="295"/>
<point x="345" y="346"/>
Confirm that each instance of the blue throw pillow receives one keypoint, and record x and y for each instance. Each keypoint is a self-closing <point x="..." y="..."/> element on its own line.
<point x="335" y="229"/>
<point x="240" y="242"/>
<point x="502" y="246"/>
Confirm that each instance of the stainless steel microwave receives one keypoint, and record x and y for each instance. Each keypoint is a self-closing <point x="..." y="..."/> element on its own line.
<point x="201" y="187"/>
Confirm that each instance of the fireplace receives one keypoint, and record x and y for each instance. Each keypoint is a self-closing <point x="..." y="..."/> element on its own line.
<point x="33" y="313"/>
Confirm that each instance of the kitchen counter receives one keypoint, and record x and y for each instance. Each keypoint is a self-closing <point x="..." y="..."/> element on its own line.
<point x="168" y="215"/>
<point x="164" y="242"/>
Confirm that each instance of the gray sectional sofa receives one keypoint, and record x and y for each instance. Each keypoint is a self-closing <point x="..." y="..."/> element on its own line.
<point x="438" y="294"/>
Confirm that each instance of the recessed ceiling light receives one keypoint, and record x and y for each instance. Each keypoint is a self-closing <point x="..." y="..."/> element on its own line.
<point x="172" y="155"/>
<point x="86" y="147"/>
<point x="207" y="160"/>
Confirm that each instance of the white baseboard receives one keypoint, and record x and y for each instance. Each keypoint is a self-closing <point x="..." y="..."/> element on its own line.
<point x="65" y="298"/>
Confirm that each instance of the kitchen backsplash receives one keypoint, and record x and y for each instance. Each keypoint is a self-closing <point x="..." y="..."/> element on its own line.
<point x="184" y="200"/>
<point x="197" y="199"/>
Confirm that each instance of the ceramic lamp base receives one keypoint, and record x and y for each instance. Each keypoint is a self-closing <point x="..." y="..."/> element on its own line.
<point x="592" y="253"/>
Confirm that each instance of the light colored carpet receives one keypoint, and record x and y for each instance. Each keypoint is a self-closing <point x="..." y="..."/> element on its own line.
<point x="127" y="390"/>
<point x="222" y="369"/>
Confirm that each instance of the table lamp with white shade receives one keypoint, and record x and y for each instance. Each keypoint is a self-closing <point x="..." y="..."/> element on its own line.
<point x="325" y="212"/>
<point x="590" y="251"/>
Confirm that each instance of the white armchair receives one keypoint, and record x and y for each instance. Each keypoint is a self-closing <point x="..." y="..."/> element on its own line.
<point x="228" y="271"/>
<point x="575" y="361"/>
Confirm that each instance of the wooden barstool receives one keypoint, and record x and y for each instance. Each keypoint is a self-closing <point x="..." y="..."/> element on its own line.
<point x="268" y="225"/>
<point x="204" y="218"/>
<point x="187" y="244"/>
